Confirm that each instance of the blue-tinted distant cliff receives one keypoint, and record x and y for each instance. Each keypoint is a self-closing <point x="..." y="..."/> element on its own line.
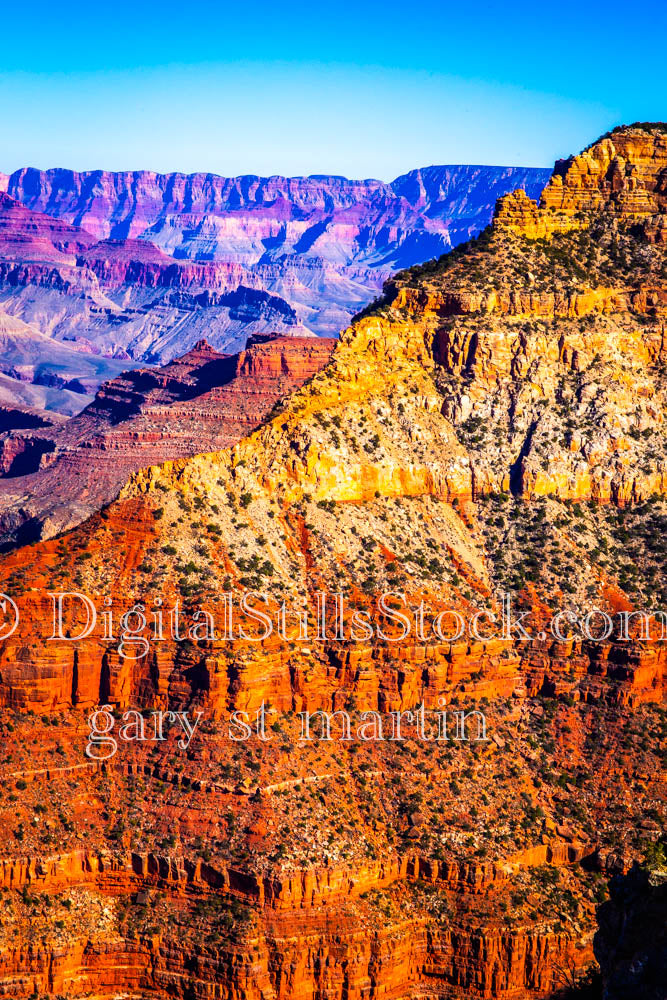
<point x="325" y="244"/>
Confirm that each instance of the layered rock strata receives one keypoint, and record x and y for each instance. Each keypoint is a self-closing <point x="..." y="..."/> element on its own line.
<point x="321" y="245"/>
<point x="55" y="477"/>
<point x="494" y="423"/>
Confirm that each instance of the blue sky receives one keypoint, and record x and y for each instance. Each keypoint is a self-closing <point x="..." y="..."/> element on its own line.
<point x="365" y="90"/>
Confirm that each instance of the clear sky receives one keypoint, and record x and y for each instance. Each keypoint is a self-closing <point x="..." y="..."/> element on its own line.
<point x="361" y="89"/>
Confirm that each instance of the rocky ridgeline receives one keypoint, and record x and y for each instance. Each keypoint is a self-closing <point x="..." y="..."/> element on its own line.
<point x="293" y="954"/>
<point x="72" y="307"/>
<point x="156" y="262"/>
<point x="624" y="173"/>
<point x="226" y="215"/>
<point x="495" y="421"/>
<point x="56" y="475"/>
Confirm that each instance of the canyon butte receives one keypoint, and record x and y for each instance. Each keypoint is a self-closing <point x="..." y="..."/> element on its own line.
<point x="493" y="423"/>
<point x="55" y="473"/>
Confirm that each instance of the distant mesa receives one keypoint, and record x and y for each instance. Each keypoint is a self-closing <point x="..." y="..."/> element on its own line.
<point x="140" y="266"/>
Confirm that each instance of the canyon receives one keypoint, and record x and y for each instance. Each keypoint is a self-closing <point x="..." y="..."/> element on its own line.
<point x="137" y="267"/>
<point x="74" y="311"/>
<point x="493" y="423"/>
<point x="55" y="474"/>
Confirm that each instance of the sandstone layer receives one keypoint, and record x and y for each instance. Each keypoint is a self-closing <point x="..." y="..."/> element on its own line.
<point x="52" y="476"/>
<point x="494" y="423"/>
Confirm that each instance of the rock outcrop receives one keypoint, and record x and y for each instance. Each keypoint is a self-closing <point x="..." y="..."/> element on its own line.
<point x="624" y="172"/>
<point x="58" y="475"/>
<point x="493" y="425"/>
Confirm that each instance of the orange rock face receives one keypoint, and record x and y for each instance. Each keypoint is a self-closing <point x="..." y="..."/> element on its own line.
<point x="623" y="172"/>
<point x="200" y="402"/>
<point x="494" y="425"/>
